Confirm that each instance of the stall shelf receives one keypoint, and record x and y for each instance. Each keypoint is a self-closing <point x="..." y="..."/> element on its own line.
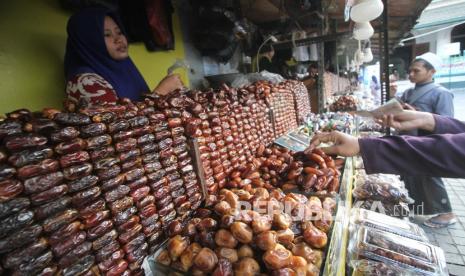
<point x="336" y="256"/>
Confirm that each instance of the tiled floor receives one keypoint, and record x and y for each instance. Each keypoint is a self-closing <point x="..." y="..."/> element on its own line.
<point x="452" y="239"/>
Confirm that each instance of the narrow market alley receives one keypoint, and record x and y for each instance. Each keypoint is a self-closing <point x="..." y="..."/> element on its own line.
<point x="452" y="239"/>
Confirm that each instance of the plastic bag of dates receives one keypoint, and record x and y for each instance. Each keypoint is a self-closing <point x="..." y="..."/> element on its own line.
<point x="383" y="187"/>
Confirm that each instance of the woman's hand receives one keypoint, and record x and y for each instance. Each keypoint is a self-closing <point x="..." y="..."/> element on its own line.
<point x="408" y="120"/>
<point x="343" y="144"/>
<point x="168" y="85"/>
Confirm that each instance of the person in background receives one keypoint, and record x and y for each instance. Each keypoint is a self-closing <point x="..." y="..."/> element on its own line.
<point x="97" y="66"/>
<point x="441" y="153"/>
<point x="375" y="90"/>
<point x="265" y="60"/>
<point x="430" y="97"/>
<point x="392" y="84"/>
<point x="312" y="79"/>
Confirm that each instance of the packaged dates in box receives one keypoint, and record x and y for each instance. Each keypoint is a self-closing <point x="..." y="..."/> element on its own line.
<point x="411" y="255"/>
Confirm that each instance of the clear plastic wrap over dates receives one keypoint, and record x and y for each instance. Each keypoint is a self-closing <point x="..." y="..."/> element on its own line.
<point x="386" y="223"/>
<point x="393" y="249"/>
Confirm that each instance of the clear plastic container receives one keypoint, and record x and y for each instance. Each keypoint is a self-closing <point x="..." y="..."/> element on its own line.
<point x="362" y="217"/>
<point x="398" y="210"/>
<point x="419" y="257"/>
<point x="375" y="268"/>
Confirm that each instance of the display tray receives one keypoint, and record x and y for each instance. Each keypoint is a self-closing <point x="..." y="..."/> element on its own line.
<point x="157" y="268"/>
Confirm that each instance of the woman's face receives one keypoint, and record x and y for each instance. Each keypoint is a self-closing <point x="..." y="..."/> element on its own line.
<point x="116" y="42"/>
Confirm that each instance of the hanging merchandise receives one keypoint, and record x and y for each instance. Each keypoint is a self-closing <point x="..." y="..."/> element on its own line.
<point x="313" y="50"/>
<point x="359" y="57"/>
<point x="300" y="53"/>
<point x="217" y="32"/>
<point x="148" y="21"/>
<point x="367" y="55"/>
<point x="366" y="10"/>
<point x="363" y="30"/>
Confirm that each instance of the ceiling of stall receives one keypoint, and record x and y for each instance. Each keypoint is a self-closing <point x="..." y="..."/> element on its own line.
<point x="286" y="15"/>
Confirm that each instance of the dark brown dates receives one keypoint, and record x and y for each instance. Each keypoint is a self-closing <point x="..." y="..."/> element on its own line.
<point x="64" y="134"/>
<point x="74" y="158"/>
<point x="72" y="119"/>
<point x="13" y="206"/>
<point x="23" y="141"/>
<point x="42" y="183"/>
<point x="54" y="223"/>
<point x="29" y="156"/>
<point x="82" y="183"/>
<point x="52" y="208"/>
<point x="99" y="230"/>
<point x="20" y="238"/>
<point x="75" y="254"/>
<point x="94" y="129"/>
<point x="49" y="195"/>
<point x="85" y="197"/>
<point x="15" y="222"/>
<point x="44" y="167"/>
<point x="117" y="193"/>
<point x="22" y="255"/>
<point x="74" y="145"/>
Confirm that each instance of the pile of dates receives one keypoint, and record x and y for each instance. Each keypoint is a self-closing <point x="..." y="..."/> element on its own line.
<point x="310" y="172"/>
<point x="93" y="191"/>
<point x="302" y="101"/>
<point x="227" y="240"/>
<point x="344" y="103"/>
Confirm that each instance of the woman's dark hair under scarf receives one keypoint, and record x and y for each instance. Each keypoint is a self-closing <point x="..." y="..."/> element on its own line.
<point x="86" y="52"/>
